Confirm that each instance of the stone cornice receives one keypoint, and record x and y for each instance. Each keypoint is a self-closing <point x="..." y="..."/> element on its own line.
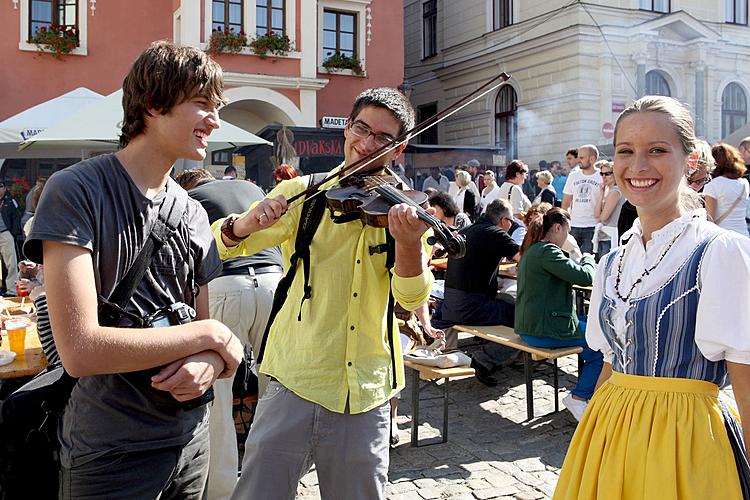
<point x="274" y="82"/>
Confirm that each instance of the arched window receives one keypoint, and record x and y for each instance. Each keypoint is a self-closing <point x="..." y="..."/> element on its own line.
<point x="733" y="109"/>
<point x="656" y="84"/>
<point x="506" y="123"/>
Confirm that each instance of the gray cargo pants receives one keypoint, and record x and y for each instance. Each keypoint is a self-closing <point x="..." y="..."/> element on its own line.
<point x="289" y="433"/>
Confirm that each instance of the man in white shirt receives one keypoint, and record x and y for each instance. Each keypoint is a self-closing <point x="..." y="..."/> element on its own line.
<point x="579" y="197"/>
<point x="436" y="180"/>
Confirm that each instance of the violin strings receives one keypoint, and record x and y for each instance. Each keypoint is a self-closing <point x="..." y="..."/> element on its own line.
<point x="395" y="196"/>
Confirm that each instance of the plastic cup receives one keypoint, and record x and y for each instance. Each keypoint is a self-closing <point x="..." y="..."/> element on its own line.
<point x="16" y="329"/>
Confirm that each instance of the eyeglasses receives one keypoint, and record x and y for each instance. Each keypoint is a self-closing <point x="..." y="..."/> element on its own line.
<point x="606" y="174"/>
<point x="524" y="172"/>
<point x="362" y="131"/>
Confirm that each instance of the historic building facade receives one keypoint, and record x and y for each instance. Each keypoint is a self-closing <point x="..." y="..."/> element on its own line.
<point x="293" y="89"/>
<point x="574" y="67"/>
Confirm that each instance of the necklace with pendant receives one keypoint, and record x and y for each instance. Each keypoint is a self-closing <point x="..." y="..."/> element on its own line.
<point x="646" y="272"/>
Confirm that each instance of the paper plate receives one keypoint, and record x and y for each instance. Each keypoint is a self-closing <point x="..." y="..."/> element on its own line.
<point x="7" y="357"/>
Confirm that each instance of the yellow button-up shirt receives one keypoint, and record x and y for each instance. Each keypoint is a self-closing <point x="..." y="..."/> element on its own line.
<point x="334" y="345"/>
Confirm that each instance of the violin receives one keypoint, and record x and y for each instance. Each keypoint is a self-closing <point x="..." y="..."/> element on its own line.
<point x="372" y="196"/>
<point x="358" y="196"/>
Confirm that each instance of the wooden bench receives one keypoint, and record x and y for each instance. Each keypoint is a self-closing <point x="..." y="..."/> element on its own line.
<point x="505" y="335"/>
<point x="242" y="409"/>
<point x="423" y="376"/>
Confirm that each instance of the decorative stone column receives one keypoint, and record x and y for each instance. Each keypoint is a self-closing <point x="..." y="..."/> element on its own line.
<point x="700" y="99"/>
<point x="640" y="80"/>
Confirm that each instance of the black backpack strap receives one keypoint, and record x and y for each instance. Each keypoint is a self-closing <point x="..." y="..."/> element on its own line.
<point x="164" y="227"/>
<point x="312" y="214"/>
<point x="390" y="261"/>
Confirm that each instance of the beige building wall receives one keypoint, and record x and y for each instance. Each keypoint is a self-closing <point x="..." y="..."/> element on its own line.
<point x="569" y="82"/>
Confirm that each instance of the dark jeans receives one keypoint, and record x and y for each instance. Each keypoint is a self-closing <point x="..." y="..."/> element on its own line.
<point x="467" y="308"/>
<point x="584" y="237"/>
<point x="604" y="248"/>
<point x="177" y="472"/>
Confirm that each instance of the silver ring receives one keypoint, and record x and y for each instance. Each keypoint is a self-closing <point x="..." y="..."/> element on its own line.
<point x="261" y="216"/>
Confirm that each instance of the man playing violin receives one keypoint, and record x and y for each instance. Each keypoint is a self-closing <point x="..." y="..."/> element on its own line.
<point x="328" y="352"/>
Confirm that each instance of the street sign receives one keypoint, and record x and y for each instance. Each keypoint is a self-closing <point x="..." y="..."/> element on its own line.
<point x="608" y="130"/>
<point x="618" y="106"/>
<point x="333" y="122"/>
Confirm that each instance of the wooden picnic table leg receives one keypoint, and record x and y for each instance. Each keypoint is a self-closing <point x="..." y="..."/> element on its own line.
<point x="415" y="408"/>
<point x="527" y="369"/>
<point x="557" y="386"/>
<point x="445" y="409"/>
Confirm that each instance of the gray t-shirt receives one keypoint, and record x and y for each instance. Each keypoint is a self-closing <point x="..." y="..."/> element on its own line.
<point x="96" y="205"/>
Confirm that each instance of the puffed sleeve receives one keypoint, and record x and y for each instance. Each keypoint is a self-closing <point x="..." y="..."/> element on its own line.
<point x="594" y="335"/>
<point x="723" y="316"/>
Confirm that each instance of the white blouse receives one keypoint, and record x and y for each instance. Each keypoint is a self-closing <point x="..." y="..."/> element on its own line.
<point x="723" y="316"/>
<point x="726" y="191"/>
<point x="514" y="195"/>
<point x="491" y="195"/>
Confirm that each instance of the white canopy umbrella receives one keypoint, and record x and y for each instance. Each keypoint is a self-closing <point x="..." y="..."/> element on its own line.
<point x="97" y="126"/>
<point x="25" y="124"/>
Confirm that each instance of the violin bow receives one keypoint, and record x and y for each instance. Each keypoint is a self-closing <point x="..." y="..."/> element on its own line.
<point x="354" y="167"/>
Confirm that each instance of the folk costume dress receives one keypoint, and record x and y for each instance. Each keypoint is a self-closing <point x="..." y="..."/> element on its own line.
<point x="667" y="316"/>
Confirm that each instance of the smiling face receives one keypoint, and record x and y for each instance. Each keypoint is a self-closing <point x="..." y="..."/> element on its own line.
<point x="379" y="121"/>
<point x="650" y="163"/>
<point x="183" y="131"/>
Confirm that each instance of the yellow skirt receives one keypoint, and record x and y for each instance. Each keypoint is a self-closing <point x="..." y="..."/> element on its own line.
<point x="651" y="438"/>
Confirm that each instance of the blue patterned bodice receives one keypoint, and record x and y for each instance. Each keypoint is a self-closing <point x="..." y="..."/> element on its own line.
<point x="659" y="340"/>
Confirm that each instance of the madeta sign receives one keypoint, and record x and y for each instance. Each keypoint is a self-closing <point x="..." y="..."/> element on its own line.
<point x="333" y="122"/>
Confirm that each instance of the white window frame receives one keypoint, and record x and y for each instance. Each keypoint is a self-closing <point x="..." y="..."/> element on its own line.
<point x="358" y="7"/>
<point x="83" y="17"/>
<point x="249" y="20"/>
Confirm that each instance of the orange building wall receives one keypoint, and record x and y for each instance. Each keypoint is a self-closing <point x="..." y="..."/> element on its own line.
<point x="120" y="30"/>
<point x="385" y="61"/>
<point x="117" y="34"/>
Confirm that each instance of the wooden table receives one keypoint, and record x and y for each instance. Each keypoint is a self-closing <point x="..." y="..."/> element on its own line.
<point x="33" y="362"/>
<point x="439" y="263"/>
<point x="508" y="270"/>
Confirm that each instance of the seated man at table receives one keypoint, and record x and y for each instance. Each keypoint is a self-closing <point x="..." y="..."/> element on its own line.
<point x="471" y="282"/>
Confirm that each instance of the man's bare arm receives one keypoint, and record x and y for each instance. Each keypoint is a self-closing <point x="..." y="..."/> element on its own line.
<point x="567" y="201"/>
<point x="88" y="349"/>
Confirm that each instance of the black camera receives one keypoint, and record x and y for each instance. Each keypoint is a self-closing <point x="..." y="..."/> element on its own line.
<point x="178" y="313"/>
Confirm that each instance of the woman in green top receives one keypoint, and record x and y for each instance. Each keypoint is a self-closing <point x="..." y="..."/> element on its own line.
<point x="545" y="314"/>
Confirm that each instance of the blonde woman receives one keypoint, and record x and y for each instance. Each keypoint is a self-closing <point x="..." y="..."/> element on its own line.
<point x="547" y="194"/>
<point x="699" y="174"/>
<point x="491" y="190"/>
<point x="464" y="198"/>
<point x="655" y="427"/>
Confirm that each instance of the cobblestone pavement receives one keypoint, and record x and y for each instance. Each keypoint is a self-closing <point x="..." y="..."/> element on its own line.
<point x="492" y="451"/>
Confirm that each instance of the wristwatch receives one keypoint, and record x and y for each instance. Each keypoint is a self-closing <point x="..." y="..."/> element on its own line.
<point x="227" y="229"/>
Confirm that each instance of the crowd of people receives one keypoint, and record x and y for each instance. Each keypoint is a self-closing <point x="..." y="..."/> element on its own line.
<point x="312" y="292"/>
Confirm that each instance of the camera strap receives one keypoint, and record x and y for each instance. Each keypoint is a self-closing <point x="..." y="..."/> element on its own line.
<point x="164" y="227"/>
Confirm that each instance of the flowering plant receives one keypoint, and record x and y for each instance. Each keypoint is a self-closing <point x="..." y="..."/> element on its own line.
<point x="227" y="41"/>
<point x="57" y="40"/>
<point x="279" y="45"/>
<point x="342" y="61"/>
<point x="19" y="187"/>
